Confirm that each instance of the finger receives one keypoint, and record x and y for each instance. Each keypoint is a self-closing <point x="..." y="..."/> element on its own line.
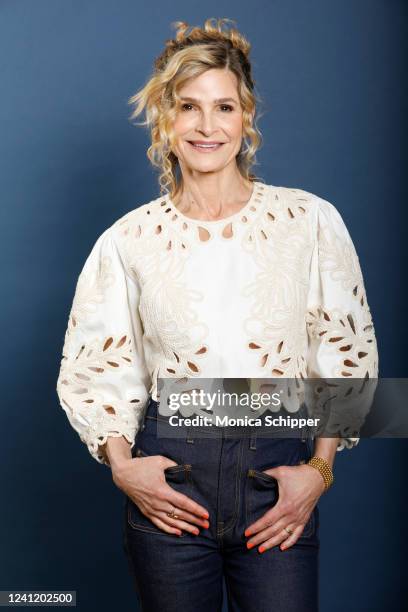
<point x="271" y="517"/>
<point x="273" y="529"/>
<point x="178" y="523"/>
<point x="162" y="525"/>
<point x="182" y="514"/>
<point x="282" y="537"/>
<point x="161" y="514"/>
<point x="270" y="531"/>
<point x="167" y="462"/>
<point x="292" y="539"/>
<point x="160" y="504"/>
<point x="185" y="503"/>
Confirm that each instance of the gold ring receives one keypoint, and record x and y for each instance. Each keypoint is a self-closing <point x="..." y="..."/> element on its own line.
<point x="172" y="515"/>
<point x="289" y="531"/>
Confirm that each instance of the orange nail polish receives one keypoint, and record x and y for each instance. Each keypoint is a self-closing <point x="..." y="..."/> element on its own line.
<point x="250" y="544"/>
<point x="205" y="516"/>
<point x="261" y="549"/>
<point x="247" y="533"/>
<point x="206" y="524"/>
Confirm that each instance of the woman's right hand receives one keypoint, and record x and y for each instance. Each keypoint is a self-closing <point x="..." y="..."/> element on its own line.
<point x="143" y="480"/>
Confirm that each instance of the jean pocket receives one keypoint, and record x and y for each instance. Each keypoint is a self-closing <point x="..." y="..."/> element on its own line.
<point x="261" y="494"/>
<point x="310" y="529"/>
<point x="178" y="477"/>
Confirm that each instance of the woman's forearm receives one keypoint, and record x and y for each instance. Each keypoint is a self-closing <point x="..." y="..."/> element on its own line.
<point x="116" y="450"/>
<point x="326" y="448"/>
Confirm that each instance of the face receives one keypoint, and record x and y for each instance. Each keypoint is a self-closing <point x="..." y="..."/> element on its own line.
<point x="208" y="125"/>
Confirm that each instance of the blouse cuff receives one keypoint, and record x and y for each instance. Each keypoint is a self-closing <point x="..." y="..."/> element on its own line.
<point x="108" y="426"/>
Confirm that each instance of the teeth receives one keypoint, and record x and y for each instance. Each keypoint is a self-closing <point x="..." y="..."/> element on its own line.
<point x="202" y="146"/>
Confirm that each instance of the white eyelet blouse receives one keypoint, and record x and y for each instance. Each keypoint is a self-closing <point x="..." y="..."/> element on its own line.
<point x="273" y="291"/>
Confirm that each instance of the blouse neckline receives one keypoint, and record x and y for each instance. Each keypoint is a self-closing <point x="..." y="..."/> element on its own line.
<point x="257" y="195"/>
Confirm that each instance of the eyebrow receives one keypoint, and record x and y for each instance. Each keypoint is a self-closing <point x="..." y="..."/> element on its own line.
<point x="216" y="101"/>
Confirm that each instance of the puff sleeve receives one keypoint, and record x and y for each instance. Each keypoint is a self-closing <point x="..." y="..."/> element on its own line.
<point x="341" y="337"/>
<point x="103" y="380"/>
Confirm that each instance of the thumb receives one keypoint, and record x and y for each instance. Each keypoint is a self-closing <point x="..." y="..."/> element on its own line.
<point x="274" y="472"/>
<point x="168" y="462"/>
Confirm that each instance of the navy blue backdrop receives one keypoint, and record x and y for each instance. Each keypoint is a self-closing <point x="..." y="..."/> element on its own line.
<point x="331" y="77"/>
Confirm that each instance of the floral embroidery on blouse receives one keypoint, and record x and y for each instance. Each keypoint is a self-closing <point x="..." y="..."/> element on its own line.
<point x="280" y="242"/>
<point x="273" y="291"/>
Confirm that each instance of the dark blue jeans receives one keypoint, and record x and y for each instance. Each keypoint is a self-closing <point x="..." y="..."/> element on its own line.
<point x="224" y="473"/>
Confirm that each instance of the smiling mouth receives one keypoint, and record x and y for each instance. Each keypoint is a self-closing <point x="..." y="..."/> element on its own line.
<point x="205" y="147"/>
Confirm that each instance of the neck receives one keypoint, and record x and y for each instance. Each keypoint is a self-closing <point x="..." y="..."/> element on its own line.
<point x="212" y="196"/>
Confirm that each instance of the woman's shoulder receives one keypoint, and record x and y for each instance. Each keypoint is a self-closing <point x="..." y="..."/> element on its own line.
<point x="133" y="221"/>
<point x="298" y="202"/>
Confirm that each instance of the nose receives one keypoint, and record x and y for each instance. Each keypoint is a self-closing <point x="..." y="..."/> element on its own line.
<point x="206" y="123"/>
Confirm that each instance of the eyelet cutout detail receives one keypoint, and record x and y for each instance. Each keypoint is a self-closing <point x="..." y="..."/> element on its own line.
<point x="354" y="343"/>
<point x="203" y="234"/>
<point x="227" y="231"/>
<point x="205" y="231"/>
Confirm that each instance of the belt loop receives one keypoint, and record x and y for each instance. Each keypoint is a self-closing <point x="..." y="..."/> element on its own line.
<point x="252" y="441"/>
<point x="303" y="413"/>
<point x="189" y="436"/>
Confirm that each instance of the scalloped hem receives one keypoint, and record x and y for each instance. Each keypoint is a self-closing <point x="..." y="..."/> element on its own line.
<point x="95" y="443"/>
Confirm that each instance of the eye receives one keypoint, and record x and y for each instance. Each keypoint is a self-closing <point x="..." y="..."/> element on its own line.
<point x="187" y="106"/>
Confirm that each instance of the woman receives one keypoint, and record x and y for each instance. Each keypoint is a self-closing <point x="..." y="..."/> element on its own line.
<point x="222" y="276"/>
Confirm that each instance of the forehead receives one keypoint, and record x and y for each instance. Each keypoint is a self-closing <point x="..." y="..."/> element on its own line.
<point x="213" y="84"/>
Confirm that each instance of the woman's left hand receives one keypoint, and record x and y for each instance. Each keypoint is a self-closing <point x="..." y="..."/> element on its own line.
<point x="300" y="487"/>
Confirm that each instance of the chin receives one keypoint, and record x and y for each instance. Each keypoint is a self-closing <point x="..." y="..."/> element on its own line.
<point x="206" y="167"/>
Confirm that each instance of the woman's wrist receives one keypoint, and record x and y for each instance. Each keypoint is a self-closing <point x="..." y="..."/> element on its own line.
<point x="117" y="451"/>
<point x="326" y="448"/>
<point x="324" y="468"/>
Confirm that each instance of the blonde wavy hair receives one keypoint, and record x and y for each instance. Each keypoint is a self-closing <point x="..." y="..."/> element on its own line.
<point x="189" y="55"/>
